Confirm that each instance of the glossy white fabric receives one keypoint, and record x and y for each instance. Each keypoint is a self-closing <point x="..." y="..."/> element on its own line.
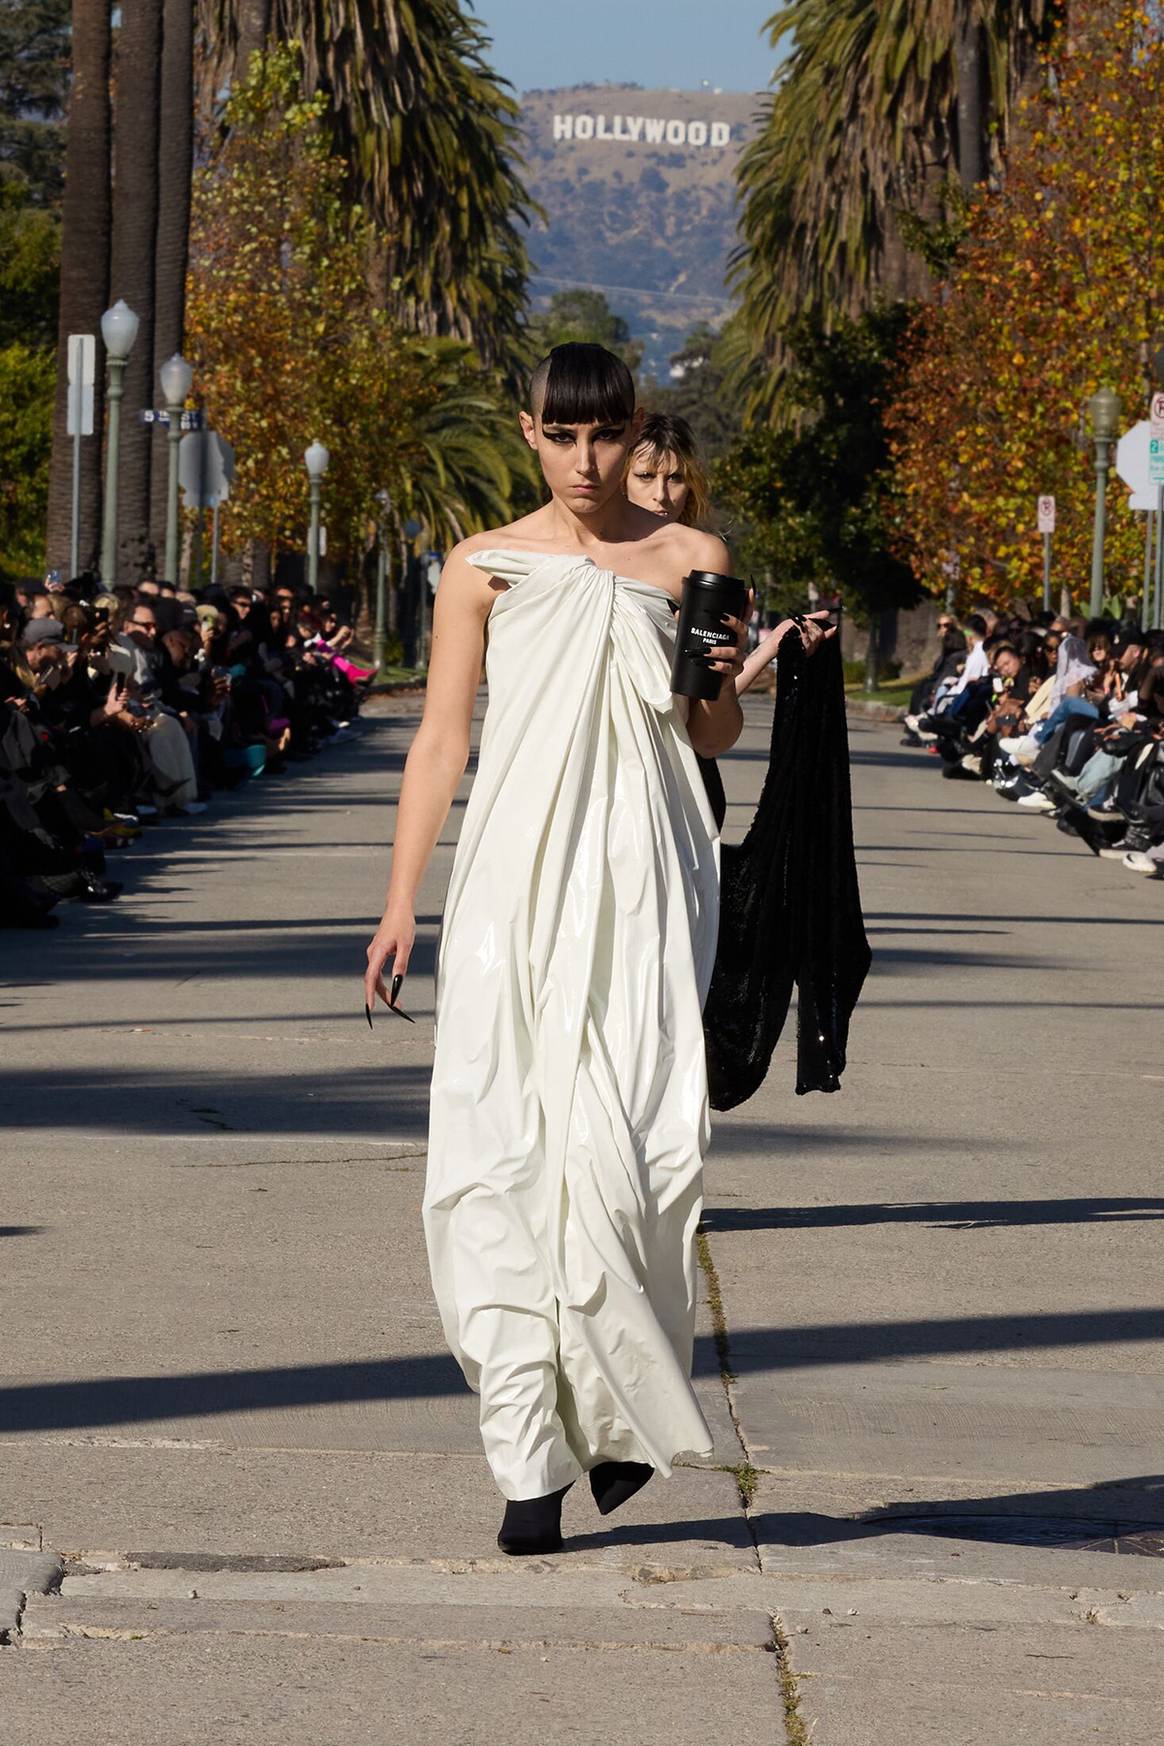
<point x="569" y="1097"/>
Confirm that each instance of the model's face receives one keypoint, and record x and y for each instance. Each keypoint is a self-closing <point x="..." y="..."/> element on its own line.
<point x="656" y="482"/>
<point x="582" y="464"/>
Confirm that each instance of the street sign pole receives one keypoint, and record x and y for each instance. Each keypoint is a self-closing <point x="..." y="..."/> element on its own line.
<point x="1046" y="524"/>
<point x="82" y="364"/>
<point x="1156" y="465"/>
<point x="75" y="520"/>
<point x="199" y="515"/>
<point x="1146" y="594"/>
<point x="215" y="529"/>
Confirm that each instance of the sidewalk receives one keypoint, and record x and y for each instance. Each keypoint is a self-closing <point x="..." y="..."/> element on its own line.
<point x="931" y="1346"/>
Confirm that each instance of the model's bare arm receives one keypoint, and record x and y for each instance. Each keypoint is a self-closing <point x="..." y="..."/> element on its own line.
<point x="816" y="631"/>
<point x="436" y="761"/>
<point x="714" y="725"/>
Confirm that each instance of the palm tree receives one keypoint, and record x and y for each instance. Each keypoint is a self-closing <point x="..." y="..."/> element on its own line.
<point x="175" y="169"/>
<point x="85" y="230"/>
<point x="430" y="134"/>
<point x="881" y="106"/>
<point x="135" y="226"/>
<point x="464" y="452"/>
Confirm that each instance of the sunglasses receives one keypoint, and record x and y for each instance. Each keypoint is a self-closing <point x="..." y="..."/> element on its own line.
<point x="392" y="1006"/>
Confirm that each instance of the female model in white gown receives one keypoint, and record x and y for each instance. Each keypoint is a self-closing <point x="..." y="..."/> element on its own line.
<point x="569" y="1100"/>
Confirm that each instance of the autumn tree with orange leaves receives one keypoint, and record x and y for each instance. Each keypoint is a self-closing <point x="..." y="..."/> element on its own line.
<point x="290" y="345"/>
<point x="1056" y="289"/>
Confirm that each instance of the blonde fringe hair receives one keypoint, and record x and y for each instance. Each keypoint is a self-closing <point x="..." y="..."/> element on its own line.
<point x="664" y="435"/>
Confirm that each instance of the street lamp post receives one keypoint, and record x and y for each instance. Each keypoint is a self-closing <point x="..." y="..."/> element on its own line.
<point x="119" y="327"/>
<point x="380" y="632"/>
<point x="1104" y="407"/>
<point x="176" y="377"/>
<point x="315" y="459"/>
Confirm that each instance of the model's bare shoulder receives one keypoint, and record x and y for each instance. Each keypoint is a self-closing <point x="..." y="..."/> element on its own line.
<point x="465" y="581"/>
<point x="701" y="551"/>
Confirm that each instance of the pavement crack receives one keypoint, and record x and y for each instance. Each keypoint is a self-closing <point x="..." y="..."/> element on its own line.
<point x="746" y="1475"/>
<point x="795" y="1730"/>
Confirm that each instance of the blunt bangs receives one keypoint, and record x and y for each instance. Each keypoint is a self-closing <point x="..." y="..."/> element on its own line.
<point x="583" y="384"/>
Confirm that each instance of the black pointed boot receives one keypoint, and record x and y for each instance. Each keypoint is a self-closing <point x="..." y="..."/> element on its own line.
<point x="613" y="1482"/>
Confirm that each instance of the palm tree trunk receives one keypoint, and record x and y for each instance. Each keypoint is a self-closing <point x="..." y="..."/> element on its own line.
<point x="85" y="224"/>
<point x="175" y="164"/>
<point x="254" y="27"/>
<point x="135" y="224"/>
<point x="973" y="115"/>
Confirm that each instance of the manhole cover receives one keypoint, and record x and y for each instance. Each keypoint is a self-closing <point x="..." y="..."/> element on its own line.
<point x="1064" y="1533"/>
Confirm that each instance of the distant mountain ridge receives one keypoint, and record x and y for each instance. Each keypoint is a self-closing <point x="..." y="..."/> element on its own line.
<point x="638" y="188"/>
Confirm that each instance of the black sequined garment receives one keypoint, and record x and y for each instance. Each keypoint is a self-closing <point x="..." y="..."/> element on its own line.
<point x="790" y="907"/>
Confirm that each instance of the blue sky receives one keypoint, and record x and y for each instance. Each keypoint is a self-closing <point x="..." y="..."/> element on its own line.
<point x="669" y="43"/>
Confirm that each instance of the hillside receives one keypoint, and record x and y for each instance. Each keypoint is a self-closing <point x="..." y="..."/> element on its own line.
<point x="639" y="193"/>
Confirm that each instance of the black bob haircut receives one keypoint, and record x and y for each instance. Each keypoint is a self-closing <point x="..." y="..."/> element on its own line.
<point x="582" y="384"/>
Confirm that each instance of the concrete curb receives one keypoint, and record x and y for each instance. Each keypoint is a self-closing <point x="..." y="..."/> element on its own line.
<point x="874" y="711"/>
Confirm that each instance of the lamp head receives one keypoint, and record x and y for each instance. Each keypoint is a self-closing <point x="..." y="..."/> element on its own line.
<point x="176" y="377"/>
<point x="316" y="459"/>
<point x="119" y="327"/>
<point x="1105" y="407"/>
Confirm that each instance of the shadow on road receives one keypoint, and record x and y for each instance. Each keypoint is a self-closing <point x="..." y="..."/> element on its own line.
<point x="1115" y="1515"/>
<point x="122" y="1400"/>
<point x="942" y="1215"/>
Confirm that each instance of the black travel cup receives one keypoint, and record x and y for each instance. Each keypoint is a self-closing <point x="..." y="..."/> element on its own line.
<point x="707" y="596"/>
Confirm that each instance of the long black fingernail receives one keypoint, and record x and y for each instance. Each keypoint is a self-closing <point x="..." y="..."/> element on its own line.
<point x="397" y="984"/>
<point x="368" y="1015"/>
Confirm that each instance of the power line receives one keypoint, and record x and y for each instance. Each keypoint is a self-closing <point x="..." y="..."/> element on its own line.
<point x="632" y="291"/>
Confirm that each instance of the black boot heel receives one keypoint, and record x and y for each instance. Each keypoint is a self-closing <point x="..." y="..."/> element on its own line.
<point x="532" y="1525"/>
<point x="613" y="1482"/>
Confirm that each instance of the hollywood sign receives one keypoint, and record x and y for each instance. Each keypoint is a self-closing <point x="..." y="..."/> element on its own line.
<point x="648" y="129"/>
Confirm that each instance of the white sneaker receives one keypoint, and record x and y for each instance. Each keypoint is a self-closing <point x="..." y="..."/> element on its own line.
<point x="1037" y="802"/>
<point x="973" y="763"/>
<point x="1137" y="862"/>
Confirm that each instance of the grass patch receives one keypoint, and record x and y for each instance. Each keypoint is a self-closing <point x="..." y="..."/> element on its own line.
<point x="896" y="696"/>
<point x="396" y="676"/>
<point x="748" y="1479"/>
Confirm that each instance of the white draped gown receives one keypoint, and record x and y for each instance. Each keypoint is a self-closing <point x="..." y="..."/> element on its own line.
<point x="569" y="1112"/>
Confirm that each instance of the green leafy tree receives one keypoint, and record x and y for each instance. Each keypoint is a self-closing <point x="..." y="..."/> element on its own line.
<point x="813" y="502"/>
<point x="29" y="260"/>
<point x="701" y="391"/>
<point x="581" y="317"/>
<point x="291" y="346"/>
<point x="26" y="435"/>
<point x="34" y="83"/>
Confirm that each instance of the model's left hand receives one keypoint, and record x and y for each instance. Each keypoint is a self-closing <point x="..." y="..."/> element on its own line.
<point x="816" y="631"/>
